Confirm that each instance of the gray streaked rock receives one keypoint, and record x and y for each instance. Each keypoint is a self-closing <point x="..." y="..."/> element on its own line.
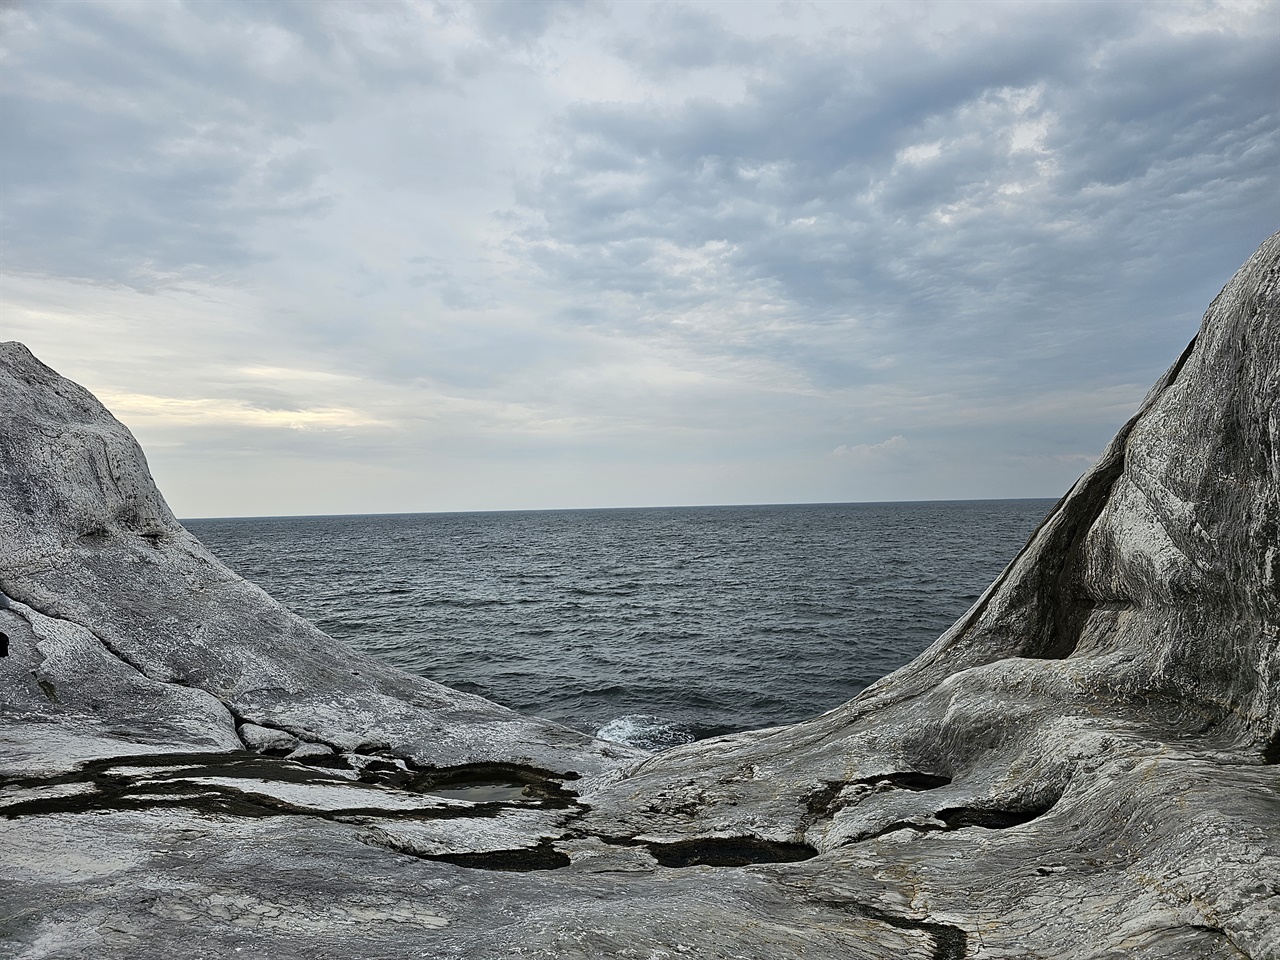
<point x="88" y="540"/>
<point x="1084" y="766"/>
<point x="268" y="739"/>
<point x="305" y="752"/>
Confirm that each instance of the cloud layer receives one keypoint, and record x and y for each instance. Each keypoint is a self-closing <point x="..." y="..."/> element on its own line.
<point x="416" y="256"/>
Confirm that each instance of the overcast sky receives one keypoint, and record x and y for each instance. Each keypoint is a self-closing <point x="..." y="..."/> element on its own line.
<point x="381" y="257"/>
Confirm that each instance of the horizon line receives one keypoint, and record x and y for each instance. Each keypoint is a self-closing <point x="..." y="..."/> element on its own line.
<point x="687" y="506"/>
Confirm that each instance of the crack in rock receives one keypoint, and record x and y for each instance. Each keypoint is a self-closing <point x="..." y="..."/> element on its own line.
<point x="739" y="851"/>
<point x="827" y="800"/>
<point x="250" y="785"/>
<point x="950" y="942"/>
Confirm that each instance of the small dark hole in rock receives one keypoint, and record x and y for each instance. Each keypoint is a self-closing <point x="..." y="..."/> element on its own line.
<point x="541" y="857"/>
<point x="914" y="780"/>
<point x="4" y="644"/>
<point x="1271" y="752"/>
<point x="484" y="783"/>
<point x="822" y="801"/>
<point x="728" y="852"/>
<point x="958" y="817"/>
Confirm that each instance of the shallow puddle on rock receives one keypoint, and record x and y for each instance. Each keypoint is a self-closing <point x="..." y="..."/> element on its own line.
<point x="481" y="792"/>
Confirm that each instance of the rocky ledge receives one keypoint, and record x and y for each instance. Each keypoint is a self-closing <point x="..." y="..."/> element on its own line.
<point x="1084" y="766"/>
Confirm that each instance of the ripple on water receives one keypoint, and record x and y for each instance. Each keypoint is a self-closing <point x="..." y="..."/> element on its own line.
<point x="653" y="625"/>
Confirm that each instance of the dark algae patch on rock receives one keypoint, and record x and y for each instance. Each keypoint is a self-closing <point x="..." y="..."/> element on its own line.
<point x="1084" y="766"/>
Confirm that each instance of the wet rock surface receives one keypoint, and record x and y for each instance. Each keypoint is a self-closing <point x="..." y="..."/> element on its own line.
<point x="1084" y="766"/>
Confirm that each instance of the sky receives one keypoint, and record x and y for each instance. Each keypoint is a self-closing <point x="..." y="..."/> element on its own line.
<point x="397" y="256"/>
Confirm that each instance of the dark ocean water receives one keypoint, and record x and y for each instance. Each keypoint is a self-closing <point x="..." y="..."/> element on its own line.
<point x="654" y="626"/>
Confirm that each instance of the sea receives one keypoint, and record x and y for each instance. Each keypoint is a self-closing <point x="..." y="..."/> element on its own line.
<point x="652" y="627"/>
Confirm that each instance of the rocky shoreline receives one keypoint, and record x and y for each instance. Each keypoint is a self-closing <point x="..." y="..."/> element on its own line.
<point x="1084" y="766"/>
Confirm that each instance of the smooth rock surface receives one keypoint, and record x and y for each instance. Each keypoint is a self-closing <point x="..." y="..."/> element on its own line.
<point x="1084" y="766"/>
<point x="268" y="739"/>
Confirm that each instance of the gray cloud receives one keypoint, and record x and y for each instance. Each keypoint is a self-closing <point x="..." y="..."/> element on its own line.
<point x="821" y="138"/>
<point x="522" y="20"/>
<point x="145" y="142"/>
<point x="648" y="252"/>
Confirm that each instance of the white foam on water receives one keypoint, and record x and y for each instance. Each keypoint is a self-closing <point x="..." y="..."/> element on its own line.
<point x="645" y="731"/>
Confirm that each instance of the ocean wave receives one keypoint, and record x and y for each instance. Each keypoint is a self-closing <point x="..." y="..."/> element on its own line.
<point x="646" y="731"/>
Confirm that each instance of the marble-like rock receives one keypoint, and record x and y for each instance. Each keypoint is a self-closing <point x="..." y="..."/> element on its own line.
<point x="1084" y="766"/>
<point x="86" y="539"/>
<point x="269" y="739"/>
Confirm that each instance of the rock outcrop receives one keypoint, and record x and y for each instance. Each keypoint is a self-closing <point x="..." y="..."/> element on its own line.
<point x="1084" y="766"/>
